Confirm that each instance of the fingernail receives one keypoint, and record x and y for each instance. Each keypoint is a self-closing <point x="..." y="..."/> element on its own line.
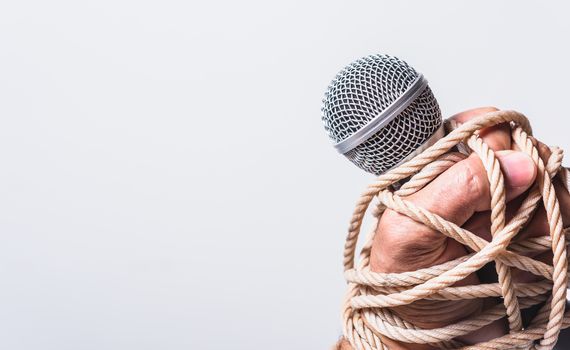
<point x="518" y="168"/>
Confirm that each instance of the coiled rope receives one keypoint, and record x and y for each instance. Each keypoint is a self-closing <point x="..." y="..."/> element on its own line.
<point x="368" y="314"/>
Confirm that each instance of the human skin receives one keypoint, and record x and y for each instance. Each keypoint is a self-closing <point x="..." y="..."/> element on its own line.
<point x="402" y="244"/>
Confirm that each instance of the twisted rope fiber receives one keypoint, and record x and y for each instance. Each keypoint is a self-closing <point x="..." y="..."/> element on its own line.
<point x="368" y="312"/>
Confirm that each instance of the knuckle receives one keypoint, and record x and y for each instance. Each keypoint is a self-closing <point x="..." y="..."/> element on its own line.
<point x="390" y="225"/>
<point x="471" y="179"/>
<point x="400" y="238"/>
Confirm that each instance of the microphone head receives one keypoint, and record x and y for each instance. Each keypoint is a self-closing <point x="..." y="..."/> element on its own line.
<point x="379" y="112"/>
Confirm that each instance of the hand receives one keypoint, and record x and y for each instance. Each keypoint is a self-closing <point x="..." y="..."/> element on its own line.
<point x="402" y="244"/>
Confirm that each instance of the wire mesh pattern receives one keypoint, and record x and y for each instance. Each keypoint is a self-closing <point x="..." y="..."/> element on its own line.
<point x="364" y="89"/>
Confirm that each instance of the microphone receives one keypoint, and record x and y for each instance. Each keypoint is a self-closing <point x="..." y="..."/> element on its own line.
<point x="380" y="112"/>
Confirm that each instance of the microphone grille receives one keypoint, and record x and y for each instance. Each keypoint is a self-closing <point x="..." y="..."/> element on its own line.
<point x="364" y="89"/>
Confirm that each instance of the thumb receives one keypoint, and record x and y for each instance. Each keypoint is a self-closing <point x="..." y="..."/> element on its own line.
<point x="464" y="188"/>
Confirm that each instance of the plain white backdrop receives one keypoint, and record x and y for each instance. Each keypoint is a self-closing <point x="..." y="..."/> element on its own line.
<point x="165" y="181"/>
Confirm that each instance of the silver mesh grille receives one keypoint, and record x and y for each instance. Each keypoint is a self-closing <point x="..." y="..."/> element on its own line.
<point x="360" y="92"/>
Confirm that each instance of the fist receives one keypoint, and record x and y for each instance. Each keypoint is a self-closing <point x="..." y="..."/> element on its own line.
<point x="460" y="195"/>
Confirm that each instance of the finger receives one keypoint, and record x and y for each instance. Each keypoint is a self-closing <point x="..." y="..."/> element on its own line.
<point x="480" y="223"/>
<point x="463" y="189"/>
<point x="498" y="137"/>
<point x="538" y="226"/>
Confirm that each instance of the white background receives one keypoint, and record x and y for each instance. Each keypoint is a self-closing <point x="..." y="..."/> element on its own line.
<point x="165" y="181"/>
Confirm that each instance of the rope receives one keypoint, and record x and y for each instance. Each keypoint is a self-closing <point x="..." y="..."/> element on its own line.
<point x="369" y="308"/>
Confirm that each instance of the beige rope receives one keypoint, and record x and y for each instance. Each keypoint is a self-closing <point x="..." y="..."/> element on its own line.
<point x="368" y="311"/>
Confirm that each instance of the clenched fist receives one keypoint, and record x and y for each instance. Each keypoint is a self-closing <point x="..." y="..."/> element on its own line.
<point x="460" y="195"/>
